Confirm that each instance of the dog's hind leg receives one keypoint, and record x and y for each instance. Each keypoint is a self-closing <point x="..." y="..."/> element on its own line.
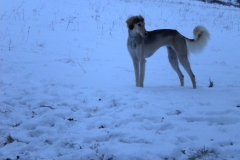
<point x="185" y="63"/>
<point x="182" y="54"/>
<point x="172" y="57"/>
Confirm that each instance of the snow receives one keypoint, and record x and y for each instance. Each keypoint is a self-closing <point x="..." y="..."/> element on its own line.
<point x="67" y="87"/>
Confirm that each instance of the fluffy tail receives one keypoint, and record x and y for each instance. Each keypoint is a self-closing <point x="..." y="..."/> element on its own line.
<point x="201" y="36"/>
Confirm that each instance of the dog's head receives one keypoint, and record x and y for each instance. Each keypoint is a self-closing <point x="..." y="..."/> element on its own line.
<point x="137" y="24"/>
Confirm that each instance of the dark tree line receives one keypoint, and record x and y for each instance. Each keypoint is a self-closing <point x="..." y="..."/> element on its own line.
<point x="235" y="3"/>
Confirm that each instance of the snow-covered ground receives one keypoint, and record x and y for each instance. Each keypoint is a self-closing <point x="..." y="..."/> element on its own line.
<point x="67" y="87"/>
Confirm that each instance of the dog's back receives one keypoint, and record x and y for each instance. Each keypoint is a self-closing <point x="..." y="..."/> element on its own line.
<point x="158" y="38"/>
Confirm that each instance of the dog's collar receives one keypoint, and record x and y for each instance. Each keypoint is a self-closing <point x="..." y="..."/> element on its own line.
<point x="133" y="35"/>
<point x="136" y="35"/>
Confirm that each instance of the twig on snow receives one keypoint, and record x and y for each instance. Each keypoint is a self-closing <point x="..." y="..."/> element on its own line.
<point x="28" y="34"/>
<point x="81" y="66"/>
<point x="47" y="107"/>
<point x="211" y="83"/>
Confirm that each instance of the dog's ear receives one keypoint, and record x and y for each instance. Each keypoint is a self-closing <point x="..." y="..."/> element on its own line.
<point x="130" y="25"/>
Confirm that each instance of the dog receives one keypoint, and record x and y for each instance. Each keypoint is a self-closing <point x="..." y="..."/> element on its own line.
<point x="143" y="44"/>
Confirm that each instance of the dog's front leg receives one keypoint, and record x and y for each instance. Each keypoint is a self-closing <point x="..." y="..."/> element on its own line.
<point x="136" y="70"/>
<point x="142" y="63"/>
<point x="142" y="72"/>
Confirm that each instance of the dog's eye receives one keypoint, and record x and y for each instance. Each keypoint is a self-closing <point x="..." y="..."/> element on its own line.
<point x="139" y="24"/>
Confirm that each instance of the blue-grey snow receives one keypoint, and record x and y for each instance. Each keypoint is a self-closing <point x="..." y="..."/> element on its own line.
<point x="67" y="88"/>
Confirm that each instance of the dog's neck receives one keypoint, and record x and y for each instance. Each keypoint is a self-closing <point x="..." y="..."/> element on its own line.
<point x="133" y="34"/>
<point x="134" y="38"/>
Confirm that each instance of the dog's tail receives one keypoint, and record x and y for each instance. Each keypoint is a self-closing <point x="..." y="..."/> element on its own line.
<point x="201" y="36"/>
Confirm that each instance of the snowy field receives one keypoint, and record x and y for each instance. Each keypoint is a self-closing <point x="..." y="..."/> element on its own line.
<point x="67" y="88"/>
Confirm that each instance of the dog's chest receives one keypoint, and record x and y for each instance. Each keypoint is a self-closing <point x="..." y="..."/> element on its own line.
<point x="134" y="42"/>
<point x="133" y="45"/>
